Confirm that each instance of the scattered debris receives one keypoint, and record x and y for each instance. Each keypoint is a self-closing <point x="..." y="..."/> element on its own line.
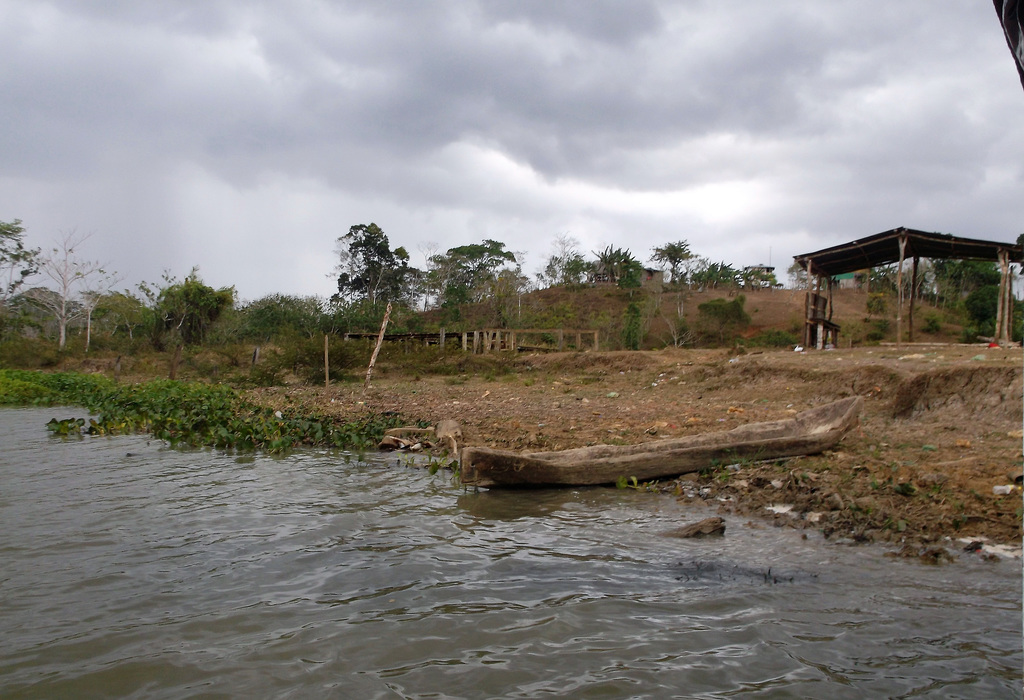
<point x="981" y="545"/>
<point x="446" y="435"/>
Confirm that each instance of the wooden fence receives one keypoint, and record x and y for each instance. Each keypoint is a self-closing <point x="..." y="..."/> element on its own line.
<point x="498" y="339"/>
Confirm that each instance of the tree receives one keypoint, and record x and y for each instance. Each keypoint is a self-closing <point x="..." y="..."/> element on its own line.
<point x="463" y="273"/>
<point x="981" y="307"/>
<point x="566" y="266"/>
<point x="124" y="309"/>
<point x="92" y="294"/>
<point x="189" y="308"/>
<point x="17" y="263"/>
<point x="368" y="269"/>
<point x="614" y="264"/>
<point x="70" y="276"/>
<point x="715" y="275"/>
<point x="956" y="279"/>
<point x="675" y="255"/>
<point x="755" y="278"/>
<point x="678" y="330"/>
<point x="797" y="276"/>
<point x="278" y="314"/>
<point x="723" y="318"/>
<point x="503" y="293"/>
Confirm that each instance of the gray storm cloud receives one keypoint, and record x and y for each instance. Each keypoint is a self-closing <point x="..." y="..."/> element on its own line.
<point x="245" y="137"/>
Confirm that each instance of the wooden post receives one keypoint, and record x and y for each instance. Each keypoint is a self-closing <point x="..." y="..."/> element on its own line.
<point x="476" y="342"/>
<point x="327" y="365"/>
<point x="913" y="295"/>
<point x="380" y="340"/>
<point x="819" y="340"/>
<point x="441" y="339"/>
<point x="1003" y="309"/>
<point x="1009" y="302"/>
<point x="807" y="308"/>
<point x="514" y="345"/>
<point x="561" y="340"/>
<point x="899" y="291"/>
<point x="831" y="284"/>
<point x="117" y="370"/>
<point x="595" y="341"/>
<point x="465" y="341"/>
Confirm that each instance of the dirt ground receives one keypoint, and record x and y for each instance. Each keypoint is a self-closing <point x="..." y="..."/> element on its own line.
<point x="941" y="429"/>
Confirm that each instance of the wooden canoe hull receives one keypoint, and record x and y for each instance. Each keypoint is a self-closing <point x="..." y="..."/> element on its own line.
<point x="809" y="432"/>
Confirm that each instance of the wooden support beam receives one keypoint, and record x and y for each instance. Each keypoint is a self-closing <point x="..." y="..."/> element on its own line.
<point x="1003" y="308"/>
<point x="899" y="290"/>
<point x="913" y="296"/>
<point x="807" y="307"/>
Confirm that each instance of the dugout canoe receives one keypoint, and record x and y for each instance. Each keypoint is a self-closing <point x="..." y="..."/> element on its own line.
<point x="809" y="432"/>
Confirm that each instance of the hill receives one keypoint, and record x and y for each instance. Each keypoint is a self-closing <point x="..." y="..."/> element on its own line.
<point x="673" y="318"/>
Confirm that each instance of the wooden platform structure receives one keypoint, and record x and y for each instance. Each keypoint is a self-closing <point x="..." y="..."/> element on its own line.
<point x="498" y="339"/>
<point x="896" y="245"/>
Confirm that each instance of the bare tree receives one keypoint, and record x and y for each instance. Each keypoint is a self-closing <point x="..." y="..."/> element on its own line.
<point x="429" y="250"/>
<point x="565" y="266"/>
<point x="92" y="293"/>
<point x="71" y="277"/>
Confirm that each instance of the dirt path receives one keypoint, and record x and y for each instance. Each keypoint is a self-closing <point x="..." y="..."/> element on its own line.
<point x="941" y="427"/>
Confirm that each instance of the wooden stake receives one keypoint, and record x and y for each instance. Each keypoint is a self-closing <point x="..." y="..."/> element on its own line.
<point x="380" y="341"/>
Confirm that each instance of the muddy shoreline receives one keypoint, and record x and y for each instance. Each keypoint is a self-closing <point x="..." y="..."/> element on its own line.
<point x="938" y="446"/>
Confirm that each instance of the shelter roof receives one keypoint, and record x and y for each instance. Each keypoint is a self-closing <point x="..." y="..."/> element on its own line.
<point x="883" y="248"/>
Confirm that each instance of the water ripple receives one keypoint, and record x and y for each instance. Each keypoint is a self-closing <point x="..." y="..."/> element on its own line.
<point x="133" y="570"/>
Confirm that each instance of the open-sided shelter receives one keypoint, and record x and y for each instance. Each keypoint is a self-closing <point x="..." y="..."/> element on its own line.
<point x="896" y="245"/>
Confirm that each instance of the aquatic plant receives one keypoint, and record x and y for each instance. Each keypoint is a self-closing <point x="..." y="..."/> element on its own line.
<point x="186" y="413"/>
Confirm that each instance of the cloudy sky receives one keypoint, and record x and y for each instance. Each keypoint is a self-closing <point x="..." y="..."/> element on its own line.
<point x="245" y="137"/>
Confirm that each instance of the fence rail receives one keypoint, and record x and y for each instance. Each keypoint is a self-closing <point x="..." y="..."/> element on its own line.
<point x="499" y="339"/>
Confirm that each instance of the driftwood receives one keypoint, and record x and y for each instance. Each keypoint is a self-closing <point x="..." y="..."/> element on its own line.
<point x="809" y="432"/>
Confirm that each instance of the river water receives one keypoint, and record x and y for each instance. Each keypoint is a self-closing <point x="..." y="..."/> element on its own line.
<point x="128" y="569"/>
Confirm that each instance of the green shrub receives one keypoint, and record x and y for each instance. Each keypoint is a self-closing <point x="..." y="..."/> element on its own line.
<point x="721" y="319"/>
<point x="773" y="338"/>
<point x="876" y="304"/>
<point x="28" y="353"/>
<point x="632" y="327"/>
<point x="879" y="330"/>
